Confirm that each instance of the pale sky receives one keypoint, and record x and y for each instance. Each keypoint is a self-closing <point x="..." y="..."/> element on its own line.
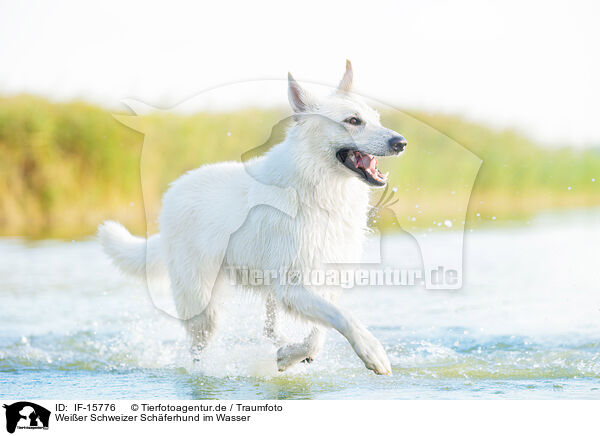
<point x="533" y="66"/>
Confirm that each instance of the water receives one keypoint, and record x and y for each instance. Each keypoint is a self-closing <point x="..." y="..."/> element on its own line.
<point x="525" y="325"/>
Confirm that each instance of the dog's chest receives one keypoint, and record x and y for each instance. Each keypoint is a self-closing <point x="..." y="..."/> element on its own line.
<point x="330" y="236"/>
<point x="326" y="229"/>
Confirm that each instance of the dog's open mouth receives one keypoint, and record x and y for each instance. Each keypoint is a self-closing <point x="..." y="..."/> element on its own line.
<point x="363" y="164"/>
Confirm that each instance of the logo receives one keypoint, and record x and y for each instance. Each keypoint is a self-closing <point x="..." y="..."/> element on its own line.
<point x="26" y="415"/>
<point x="413" y="212"/>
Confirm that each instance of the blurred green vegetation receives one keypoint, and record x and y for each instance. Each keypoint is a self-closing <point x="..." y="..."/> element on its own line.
<point x="65" y="167"/>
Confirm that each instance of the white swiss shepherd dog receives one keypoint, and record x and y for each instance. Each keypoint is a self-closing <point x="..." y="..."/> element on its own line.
<point x="213" y="219"/>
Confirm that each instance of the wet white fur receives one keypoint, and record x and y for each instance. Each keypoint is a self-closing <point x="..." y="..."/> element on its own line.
<point x="296" y="207"/>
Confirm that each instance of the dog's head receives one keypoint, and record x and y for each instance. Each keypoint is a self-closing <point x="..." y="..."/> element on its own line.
<point x="345" y="133"/>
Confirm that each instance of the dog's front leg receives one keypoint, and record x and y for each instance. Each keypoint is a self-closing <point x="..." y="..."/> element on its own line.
<point x="317" y="309"/>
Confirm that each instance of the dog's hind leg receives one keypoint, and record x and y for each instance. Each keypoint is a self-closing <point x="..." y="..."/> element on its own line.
<point x="201" y="327"/>
<point x="290" y="354"/>
<point x="197" y="303"/>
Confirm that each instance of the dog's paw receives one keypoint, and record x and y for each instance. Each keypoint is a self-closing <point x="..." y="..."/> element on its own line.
<point x="285" y="357"/>
<point x="370" y="351"/>
<point x="291" y="354"/>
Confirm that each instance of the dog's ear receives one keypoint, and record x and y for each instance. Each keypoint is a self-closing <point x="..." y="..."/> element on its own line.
<point x="300" y="100"/>
<point x="346" y="82"/>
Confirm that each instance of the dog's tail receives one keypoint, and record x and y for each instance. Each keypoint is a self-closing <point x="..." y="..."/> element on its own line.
<point x="132" y="255"/>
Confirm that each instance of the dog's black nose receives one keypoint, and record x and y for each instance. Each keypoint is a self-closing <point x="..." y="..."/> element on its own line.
<point x="397" y="143"/>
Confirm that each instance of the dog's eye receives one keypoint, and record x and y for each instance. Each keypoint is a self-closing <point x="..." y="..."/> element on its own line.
<point x="354" y="121"/>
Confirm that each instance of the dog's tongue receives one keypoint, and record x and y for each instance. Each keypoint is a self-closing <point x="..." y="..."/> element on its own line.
<point x="366" y="161"/>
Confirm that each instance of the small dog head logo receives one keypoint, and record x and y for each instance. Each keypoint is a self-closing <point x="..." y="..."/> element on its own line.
<point x="26" y="415"/>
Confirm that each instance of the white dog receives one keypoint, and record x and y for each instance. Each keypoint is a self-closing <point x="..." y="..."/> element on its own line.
<point x="221" y="216"/>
